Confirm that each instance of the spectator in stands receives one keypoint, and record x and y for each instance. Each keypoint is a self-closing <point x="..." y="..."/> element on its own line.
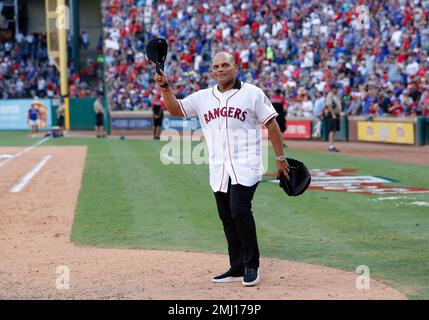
<point x="319" y="106"/>
<point x="294" y="107"/>
<point x="396" y="109"/>
<point x="85" y="39"/>
<point x="424" y="103"/>
<point x="385" y="102"/>
<point x="26" y="71"/>
<point x="307" y="105"/>
<point x="355" y="106"/>
<point x="407" y="103"/>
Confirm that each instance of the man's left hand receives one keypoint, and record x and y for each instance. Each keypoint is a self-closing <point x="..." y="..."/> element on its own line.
<point x="283" y="167"/>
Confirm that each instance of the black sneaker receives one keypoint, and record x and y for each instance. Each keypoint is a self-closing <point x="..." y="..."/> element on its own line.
<point x="251" y="277"/>
<point x="229" y="276"/>
<point x="333" y="149"/>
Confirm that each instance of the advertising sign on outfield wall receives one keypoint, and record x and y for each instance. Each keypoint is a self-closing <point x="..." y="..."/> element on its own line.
<point x="298" y="129"/>
<point x="131" y="123"/>
<point x="176" y="123"/>
<point x="13" y="113"/>
<point x="390" y="132"/>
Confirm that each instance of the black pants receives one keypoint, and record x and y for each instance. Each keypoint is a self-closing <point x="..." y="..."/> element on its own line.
<point x="235" y="211"/>
<point x="331" y="123"/>
<point x="281" y="121"/>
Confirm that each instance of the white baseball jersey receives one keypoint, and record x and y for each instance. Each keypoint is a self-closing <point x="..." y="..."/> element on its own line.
<point x="231" y="123"/>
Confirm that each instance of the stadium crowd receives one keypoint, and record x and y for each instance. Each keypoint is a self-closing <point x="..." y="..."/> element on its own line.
<point x="379" y="61"/>
<point x="26" y="71"/>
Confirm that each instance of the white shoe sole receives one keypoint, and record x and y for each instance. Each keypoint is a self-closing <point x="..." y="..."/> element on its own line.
<point x="253" y="283"/>
<point x="228" y="279"/>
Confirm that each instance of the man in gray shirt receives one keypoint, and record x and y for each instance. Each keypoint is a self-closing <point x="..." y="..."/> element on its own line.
<point x="332" y="115"/>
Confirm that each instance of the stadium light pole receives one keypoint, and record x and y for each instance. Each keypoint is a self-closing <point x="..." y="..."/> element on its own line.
<point x="62" y="36"/>
<point x="57" y="24"/>
<point x="16" y="18"/>
<point x="74" y="10"/>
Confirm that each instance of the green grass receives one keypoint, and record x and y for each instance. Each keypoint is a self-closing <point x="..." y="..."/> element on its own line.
<point x="128" y="199"/>
<point x="16" y="139"/>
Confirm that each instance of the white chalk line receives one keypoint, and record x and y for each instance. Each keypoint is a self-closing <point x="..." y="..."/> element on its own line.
<point x="418" y="203"/>
<point x="27" y="178"/>
<point x="38" y="143"/>
<point x="393" y="198"/>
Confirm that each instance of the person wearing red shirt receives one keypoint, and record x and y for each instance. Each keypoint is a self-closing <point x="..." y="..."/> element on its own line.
<point x="330" y="43"/>
<point x="131" y="28"/>
<point x="192" y="46"/>
<point x="349" y="17"/>
<point x="422" y="72"/>
<point x="219" y="35"/>
<point x="402" y="56"/>
<point x="134" y="13"/>
<point x="406" y="43"/>
<point x="396" y="109"/>
<point x="340" y="41"/>
<point x="186" y="59"/>
<point x="254" y="27"/>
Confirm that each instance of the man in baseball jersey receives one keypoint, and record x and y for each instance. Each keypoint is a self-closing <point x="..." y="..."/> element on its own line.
<point x="224" y="110"/>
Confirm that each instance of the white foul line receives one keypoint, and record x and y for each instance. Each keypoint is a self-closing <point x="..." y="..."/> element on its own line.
<point x="18" y="187"/>
<point x="24" y="151"/>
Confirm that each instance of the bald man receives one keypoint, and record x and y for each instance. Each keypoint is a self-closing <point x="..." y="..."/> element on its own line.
<point x="226" y="111"/>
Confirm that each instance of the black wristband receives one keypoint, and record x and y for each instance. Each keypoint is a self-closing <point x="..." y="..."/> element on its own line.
<point x="165" y="86"/>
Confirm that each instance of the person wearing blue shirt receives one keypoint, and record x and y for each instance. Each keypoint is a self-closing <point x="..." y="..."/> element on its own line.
<point x="369" y="98"/>
<point x="33" y="119"/>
